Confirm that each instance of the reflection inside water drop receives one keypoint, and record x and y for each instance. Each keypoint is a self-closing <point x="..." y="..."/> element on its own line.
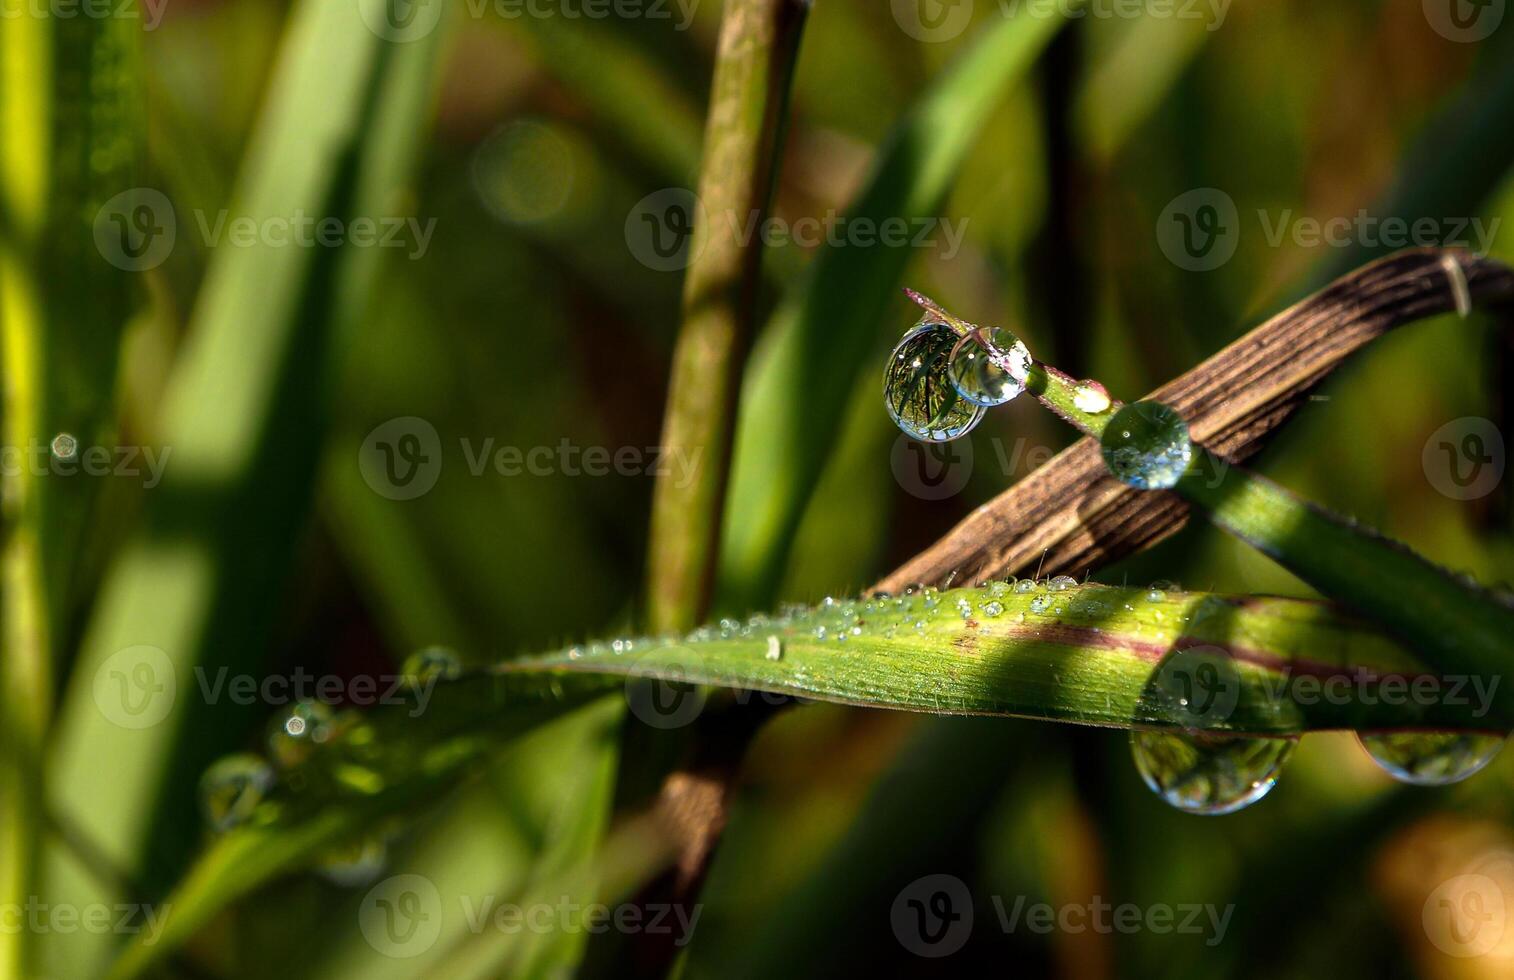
<point x="918" y="391"/>
<point x="989" y="366"/>
<point x="232" y="788"/>
<point x="1146" y="446"/>
<point x="1431" y="758"/>
<point x="1208" y="774"/>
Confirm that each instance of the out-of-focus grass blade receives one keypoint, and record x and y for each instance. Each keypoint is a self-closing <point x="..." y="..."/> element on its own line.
<point x="800" y="378"/>
<point x="70" y="139"/>
<point x="242" y="421"/>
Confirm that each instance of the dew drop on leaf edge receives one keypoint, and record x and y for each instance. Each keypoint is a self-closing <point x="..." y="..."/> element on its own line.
<point x="1431" y="758"/>
<point x="231" y="789"/>
<point x="1208" y="774"/>
<point x="1146" y="446"/>
<point x="917" y="387"/>
<point x="989" y="366"/>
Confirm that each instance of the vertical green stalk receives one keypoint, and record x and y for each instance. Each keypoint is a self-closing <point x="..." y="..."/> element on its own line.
<point x="759" y="43"/>
<point x="69" y="140"/>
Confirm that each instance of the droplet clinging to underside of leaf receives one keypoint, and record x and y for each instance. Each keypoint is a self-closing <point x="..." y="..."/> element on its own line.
<point x="918" y="389"/>
<point x="1431" y="758"/>
<point x="1208" y="774"/>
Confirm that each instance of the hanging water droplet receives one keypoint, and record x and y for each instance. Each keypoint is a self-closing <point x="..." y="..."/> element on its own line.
<point x="298" y="731"/>
<point x="989" y="366"/>
<point x="64" y="446"/>
<point x="1431" y="758"/>
<point x="1062" y="583"/>
<point x="232" y="788"/>
<point x="435" y="662"/>
<point x="1090" y="397"/>
<point x="1209" y="774"/>
<point x="918" y="390"/>
<point x="775" y="648"/>
<point x="355" y="864"/>
<point x="993" y="609"/>
<point x="1146" y="446"/>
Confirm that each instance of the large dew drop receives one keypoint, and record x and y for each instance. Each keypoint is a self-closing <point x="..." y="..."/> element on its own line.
<point x="232" y="788"/>
<point x="1146" y="446"/>
<point x="989" y="366"/>
<point x="918" y="390"/>
<point x="1431" y="758"/>
<point x="1209" y="774"/>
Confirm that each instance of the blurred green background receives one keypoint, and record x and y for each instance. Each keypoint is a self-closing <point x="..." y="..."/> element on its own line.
<point x="526" y="139"/>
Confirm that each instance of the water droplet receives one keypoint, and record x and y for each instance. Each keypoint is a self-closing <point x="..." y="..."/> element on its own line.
<point x="1025" y="585"/>
<point x="65" y="446"/>
<point x="1146" y="446"/>
<point x="993" y="609"/>
<point x="439" y="663"/>
<point x="1062" y="583"/>
<point x="356" y="864"/>
<point x="1156" y="595"/>
<point x="1209" y="774"/>
<point x="965" y="608"/>
<point x="1040" y="604"/>
<point x="918" y="391"/>
<point x="1431" y="758"/>
<point x="232" y="788"/>
<point x="989" y="366"/>
<point x="775" y="648"/>
<point x="1090" y="397"/>
<point x="296" y="733"/>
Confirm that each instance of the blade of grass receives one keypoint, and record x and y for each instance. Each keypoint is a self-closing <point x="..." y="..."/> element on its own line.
<point x="759" y="44"/>
<point x="799" y="381"/>
<point x="69" y="140"/>
<point x="242" y="419"/>
<point x="1070" y="515"/>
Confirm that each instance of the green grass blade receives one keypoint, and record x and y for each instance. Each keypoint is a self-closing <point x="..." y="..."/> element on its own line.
<point x="759" y="44"/>
<point x="70" y="139"/>
<point x="798" y="383"/>
<point x="198" y="582"/>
